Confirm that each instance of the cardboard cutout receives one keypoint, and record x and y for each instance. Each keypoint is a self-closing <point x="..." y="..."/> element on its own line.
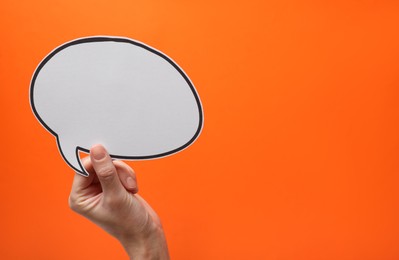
<point x="131" y="98"/>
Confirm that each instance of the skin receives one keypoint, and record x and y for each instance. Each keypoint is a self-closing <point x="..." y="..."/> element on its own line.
<point x="108" y="197"/>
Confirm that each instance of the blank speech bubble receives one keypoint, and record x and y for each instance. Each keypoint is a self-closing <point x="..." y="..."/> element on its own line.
<point x="130" y="97"/>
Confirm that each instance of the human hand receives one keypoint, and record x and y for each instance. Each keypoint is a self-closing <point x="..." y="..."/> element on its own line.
<point x="108" y="197"/>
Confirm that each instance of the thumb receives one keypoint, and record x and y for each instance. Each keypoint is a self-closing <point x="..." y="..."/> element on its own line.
<point x="105" y="170"/>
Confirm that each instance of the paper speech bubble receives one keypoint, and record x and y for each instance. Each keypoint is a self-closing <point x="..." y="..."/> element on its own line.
<point x="130" y="97"/>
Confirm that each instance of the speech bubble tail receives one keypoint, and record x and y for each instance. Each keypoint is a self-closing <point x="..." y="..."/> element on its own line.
<point x="70" y="153"/>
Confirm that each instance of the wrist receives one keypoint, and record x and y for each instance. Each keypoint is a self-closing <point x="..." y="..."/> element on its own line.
<point x="150" y="246"/>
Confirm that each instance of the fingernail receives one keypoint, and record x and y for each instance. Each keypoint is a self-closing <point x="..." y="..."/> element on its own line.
<point x="130" y="182"/>
<point x="98" y="152"/>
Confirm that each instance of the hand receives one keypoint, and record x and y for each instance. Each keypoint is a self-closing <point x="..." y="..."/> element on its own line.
<point x="108" y="197"/>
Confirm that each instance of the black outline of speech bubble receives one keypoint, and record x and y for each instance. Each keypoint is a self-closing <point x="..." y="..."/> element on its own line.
<point x="123" y="40"/>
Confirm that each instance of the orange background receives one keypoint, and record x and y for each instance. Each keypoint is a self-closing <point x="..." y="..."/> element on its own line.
<point x="298" y="158"/>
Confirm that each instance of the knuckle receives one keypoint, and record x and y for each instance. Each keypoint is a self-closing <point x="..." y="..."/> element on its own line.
<point x="133" y="175"/>
<point x="125" y="167"/>
<point x="106" y="173"/>
<point x="76" y="205"/>
<point x="131" y="171"/>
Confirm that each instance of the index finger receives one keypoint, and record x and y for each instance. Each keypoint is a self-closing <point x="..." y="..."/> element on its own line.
<point x="80" y="182"/>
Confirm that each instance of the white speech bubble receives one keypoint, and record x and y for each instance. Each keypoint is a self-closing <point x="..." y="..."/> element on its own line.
<point x="130" y="97"/>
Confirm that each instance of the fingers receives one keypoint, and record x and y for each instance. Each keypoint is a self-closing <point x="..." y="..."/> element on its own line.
<point x="106" y="171"/>
<point x="81" y="182"/>
<point x="127" y="176"/>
